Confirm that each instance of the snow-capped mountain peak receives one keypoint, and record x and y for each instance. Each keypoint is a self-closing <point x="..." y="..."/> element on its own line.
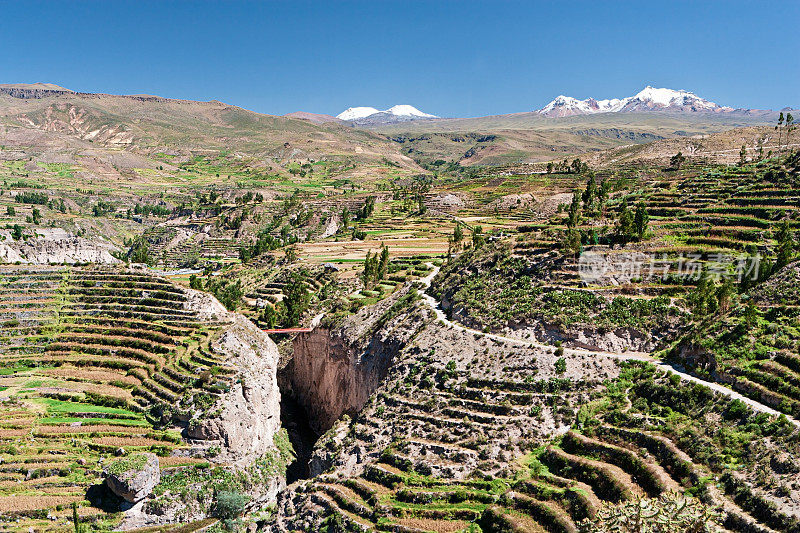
<point x="648" y="99"/>
<point x="405" y="110"/>
<point x="353" y="113"/>
<point x="662" y="96"/>
<point x="397" y="113"/>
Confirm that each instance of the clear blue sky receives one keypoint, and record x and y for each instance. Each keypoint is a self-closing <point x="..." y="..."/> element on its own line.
<point x="460" y="58"/>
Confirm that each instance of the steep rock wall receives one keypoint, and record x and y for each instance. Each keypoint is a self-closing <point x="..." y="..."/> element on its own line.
<point x="54" y="246"/>
<point x="335" y="369"/>
<point x="249" y="413"/>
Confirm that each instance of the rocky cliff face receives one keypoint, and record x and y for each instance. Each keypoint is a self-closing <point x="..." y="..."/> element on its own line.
<point x="249" y="413"/>
<point x="244" y="427"/>
<point x="334" y="370"/>
<point x="54" y="246"/>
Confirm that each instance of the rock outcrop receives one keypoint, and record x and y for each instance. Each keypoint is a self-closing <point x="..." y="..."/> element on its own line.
<point x="133" y="478"/>
<point x="54" y="246"/>
<point x="249" y="413"/>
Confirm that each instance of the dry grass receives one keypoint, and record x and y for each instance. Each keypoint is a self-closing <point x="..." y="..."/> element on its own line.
<point x="99" y="428"/>
<point x="15" y="432"/>
<point x="428" y="524"/>
<point x="166" y="462"/>
<point x="37" y="466"/>
<point x="129" y="441"/>
<point x="32" y="503"/>
<point x="90" y="373"/>
<point x="96" y="388"/>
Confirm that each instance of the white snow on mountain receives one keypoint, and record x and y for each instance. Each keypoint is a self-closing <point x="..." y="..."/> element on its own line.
<point x="648" y="99"/>
<point x="353" y="113"/>
<point x="403" y="110"/>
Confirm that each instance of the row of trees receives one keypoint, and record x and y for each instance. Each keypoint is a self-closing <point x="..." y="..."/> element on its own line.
<point x="708" y="297"/>
<point x="631" y="224"/>
<point x="785" y="127"/>
<point x="590" y="202"/>
<point x="375" y="266"/>
<point x="565" y="167"/>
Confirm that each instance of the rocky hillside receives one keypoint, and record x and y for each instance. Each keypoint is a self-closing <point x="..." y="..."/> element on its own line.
<point x="149" y="124"/>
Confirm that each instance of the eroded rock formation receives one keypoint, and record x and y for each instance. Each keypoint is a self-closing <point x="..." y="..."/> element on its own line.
<point x="335" y="369"/>
<point x="249" y="413"/>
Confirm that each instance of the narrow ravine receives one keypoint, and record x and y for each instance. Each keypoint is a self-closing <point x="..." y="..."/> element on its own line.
<point x="294" y="419"/>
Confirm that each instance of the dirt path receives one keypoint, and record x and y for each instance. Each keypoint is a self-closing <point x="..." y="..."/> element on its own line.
<point x="627" y="356"/>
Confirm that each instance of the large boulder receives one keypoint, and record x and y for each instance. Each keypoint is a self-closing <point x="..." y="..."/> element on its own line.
<point x="132" y="478"/>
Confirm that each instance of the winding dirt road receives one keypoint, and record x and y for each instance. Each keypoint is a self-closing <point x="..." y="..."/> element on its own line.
<point x="627" y="356"/>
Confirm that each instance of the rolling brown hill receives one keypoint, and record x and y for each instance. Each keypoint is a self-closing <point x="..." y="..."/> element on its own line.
<point x="151" y="124"/>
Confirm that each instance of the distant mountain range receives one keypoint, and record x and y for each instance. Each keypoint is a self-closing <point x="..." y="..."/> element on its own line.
<point x="648" y="99"/>
<point x="402" y="134"/>
<point x="363" y="116"/>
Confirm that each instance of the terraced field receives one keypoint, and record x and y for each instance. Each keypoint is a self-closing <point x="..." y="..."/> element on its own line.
<point x="631" y="441"/>
<point x="94" y="362"/>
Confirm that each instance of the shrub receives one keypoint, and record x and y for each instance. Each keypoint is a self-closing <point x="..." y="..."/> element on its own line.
<point x="229" y="504"/>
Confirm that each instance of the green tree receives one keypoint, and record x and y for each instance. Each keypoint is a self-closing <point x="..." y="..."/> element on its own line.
<point x="725" y="294"/>
<point x="603" y="194"/>
<point x="370" y="268"/>
<point x="571" y="243"/>
<point x="229" y="504"/>
<point x="590" y="193"/>
<point x="10" y="211"/>
<point x="786" y="245"/>
<point x="779" y="129"/>
<point x="750" y="314"/>
<point x="140" y="253"/>
<point x="790" y="127"/>
<point x="677" y="161"/>
<point x="296" y="299"/>
<point x="574" y="213"/>
<point x="367" y="209"/>
<point x="477" y="237"/>
<point x="550" y="167"/>
<point x="16" y="232"/>
<point x="291" y="254"/>
<point x="458" y="234"/>
<point x="640" y="220"/>
<point x="703" y="298"/>
<point x="743" y="156"/>
<point x="625" y="224"/>
<point x="383" y="263"/>
<point x="271" y="316"/>
<point x="36" y="215"/>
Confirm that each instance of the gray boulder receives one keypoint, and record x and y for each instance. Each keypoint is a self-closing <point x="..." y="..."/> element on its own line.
<point x="132" y="478"/>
